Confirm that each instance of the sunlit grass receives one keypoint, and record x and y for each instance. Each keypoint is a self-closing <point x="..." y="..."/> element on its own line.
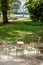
<point x="18" y="31"/>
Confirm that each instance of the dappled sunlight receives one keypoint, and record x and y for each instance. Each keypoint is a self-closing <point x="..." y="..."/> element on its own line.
<point x="0" y="27"/>
<point x="23" y="32"/>
<point x="27" y="59"/>
<point x="3" y="58"/>
<point x="18" y="60"/>
<point x="41" y="63"/>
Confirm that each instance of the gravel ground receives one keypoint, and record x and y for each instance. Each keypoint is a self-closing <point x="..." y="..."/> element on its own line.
<point x="16" y="60"/>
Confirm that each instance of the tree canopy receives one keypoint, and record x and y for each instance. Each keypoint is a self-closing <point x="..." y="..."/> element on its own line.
<point x="15" y="5"/>
<point x="35" y="6"/>
<point x="6" y="5"/>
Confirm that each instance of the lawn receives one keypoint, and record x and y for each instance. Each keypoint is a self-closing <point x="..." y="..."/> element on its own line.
<point x="15" y="32"/>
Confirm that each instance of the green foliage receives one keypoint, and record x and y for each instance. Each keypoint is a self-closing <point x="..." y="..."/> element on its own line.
<point x="0" y="5"/>
<point x="6" y="5"/>
<point x="15" y="5"/>
<point x="11" y="4"/>
<point x="35" y="8"/>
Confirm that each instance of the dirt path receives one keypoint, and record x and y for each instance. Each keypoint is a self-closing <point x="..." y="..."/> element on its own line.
<point x="14" y="60"/>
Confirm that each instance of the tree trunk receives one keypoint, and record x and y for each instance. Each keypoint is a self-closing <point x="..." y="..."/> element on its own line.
<point x="5" y="19"/>
<point x="4" y="6"/>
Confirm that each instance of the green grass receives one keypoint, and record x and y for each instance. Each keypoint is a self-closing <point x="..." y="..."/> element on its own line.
<point x="14" y="32"/>
<point x="0" y="18"/>
<point x="29" y="22"/>
<point x="33" y="23"/>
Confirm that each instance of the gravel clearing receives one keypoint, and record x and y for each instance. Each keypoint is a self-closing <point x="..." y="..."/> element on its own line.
<point x="19" y="60"/>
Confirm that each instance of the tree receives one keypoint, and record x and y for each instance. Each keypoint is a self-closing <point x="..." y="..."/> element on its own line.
<point x="4" y="6"/>
<point x="0" y="10"/>
<point x="15" y="5"/>
<point x="35" y="8"/>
